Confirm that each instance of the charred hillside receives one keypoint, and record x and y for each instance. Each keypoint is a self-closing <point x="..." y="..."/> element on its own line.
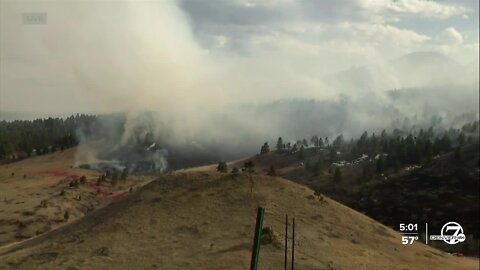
<point x="399" y="177"/>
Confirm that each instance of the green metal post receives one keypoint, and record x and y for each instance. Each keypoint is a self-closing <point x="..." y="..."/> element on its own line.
<point x="258" y="237"/>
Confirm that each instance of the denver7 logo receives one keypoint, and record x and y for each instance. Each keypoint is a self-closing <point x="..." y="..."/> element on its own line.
<point x="454" y="238"/>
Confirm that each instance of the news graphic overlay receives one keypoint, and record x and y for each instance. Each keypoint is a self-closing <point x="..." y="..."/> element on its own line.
<point x="452" y="233"/>
<point x="409" y="232"/>
<point x="33" y="18"/>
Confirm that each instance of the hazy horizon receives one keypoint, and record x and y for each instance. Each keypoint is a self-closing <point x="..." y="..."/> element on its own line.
<point x="210" y="69"/>
<point x="149" y="54"/>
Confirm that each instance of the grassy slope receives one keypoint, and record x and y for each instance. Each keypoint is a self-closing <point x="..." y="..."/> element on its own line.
<point x="441" y="191"/>
<point x="43" y="178"/>
<point x="205" y="220"/>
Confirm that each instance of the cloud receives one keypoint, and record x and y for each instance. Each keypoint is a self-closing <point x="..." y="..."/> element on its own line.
<point x="450" y="36"/>
<point x="257" y="12"/>
<point x="313" y="27"/>
<point x="420" y="8"/>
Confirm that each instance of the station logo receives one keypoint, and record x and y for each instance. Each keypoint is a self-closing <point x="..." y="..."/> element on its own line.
<point x="451" y="233"/>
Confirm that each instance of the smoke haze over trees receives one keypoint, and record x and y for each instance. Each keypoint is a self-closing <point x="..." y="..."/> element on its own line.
<point x="210" y="83"/>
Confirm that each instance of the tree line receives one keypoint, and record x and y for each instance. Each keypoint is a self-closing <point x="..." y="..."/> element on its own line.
<point x="22" y="138"/>
<point x="389" y="150"/>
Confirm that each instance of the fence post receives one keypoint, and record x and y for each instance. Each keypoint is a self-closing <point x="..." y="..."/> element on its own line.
<point x="286" y="242"/>
<point x="257" y="238"/>
<point x="293" y="243"/>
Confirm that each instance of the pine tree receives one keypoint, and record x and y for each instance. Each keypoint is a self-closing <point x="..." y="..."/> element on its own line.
<point x="304" y="142"/>
<point x="338" y="142"/>
<point x="314" y="140"/>
<point x="445" y="144"/>
<point x="380" y="164"/>
<point x="333" y="155"/>
<point x="279" y="144"/>
<point x="428" y="152"/>
<point x="318" y="167"/>
<point x="124" y="174"/>
<point x="320" y="142"/>
<point x="383" y="136"/>
<point x="114" y="177"/>
<point x="458" y="155"/>
<point x="338" y="175"/>
<point x="461" y="139"/>
<point x="289" y="145"/>
<point x="366" y="173"/>
<point x="108" y="174"/>
<point x="265" y="149"/>
<point x="294" y="148"/>
<point x="308" y="166"/>
<point x="301" y="154"/>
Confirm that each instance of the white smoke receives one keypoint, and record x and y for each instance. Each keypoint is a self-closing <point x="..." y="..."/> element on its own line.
<point x="136" y="56"/>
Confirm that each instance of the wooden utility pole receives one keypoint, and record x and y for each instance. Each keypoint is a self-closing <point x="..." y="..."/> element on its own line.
<point x="293" y="243"/>
<point x="286" y="242"/>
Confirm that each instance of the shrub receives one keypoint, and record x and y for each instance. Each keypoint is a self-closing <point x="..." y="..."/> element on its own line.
<point x="320" y="197"/>
<point x="21" y="225"/>
<point x="222" y="167"/>
<point x="269" y="237"/>
<point x="249" y="166"/>
<point x="272" y="171"/>
<point x="74" y="183"/>
<point x="28" y="213"/>
<point x="43" y="203"/>
<point x="83" y="179"/>
<point x="66" y="215"/>
<point x="101" y="179"/>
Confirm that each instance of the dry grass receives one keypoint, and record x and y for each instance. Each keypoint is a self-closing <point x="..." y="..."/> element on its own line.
<point x="34" y="199"/>
<point x="204" y="220"/>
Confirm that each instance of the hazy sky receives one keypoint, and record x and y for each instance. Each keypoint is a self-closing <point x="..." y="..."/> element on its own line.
<point x="116" y="55"/>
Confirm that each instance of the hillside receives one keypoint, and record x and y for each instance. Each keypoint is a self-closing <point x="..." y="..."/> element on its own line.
<point x="436" y="192"/>
<point x="202" y="219"/>
<point x="35" y="194"/>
